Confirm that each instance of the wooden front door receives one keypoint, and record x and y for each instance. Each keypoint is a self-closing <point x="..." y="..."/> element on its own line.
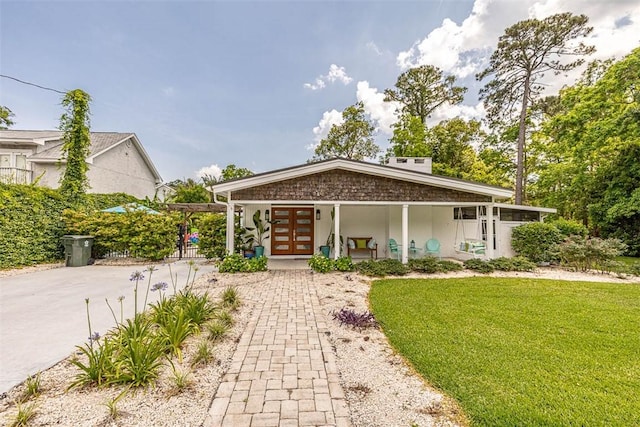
<point x="292" y="233"/>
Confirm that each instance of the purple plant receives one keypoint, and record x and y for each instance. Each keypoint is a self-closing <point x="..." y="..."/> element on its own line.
<point x="347" y="316"/>
<point x="94" y="337"/>
<point x="160" y="286"/>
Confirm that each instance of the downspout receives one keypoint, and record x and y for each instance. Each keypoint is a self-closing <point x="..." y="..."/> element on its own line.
<point x="230" y="220"/>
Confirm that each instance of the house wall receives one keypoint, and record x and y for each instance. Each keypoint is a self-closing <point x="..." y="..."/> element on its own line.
<point x="122" y="169"/>
<point x="449" y="231"/>
<point x="364" y="221"/>
<point x="420" y="225"/>
<point x="341" y="185"/>
<point x="47" y="174"/>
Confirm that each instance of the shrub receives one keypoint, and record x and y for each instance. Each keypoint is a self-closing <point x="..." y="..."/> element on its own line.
<point x="512" y="264"/>
<point x="427" y="265"/>
<point x="537" y="241"/>
<point x="212" y="231"/>
<point x="321" y="264"/>
<point x="635" y="269"/>
<point x="236" y="263"/>
<point x="478" y="265"/>
<point x="584" y="254"/>
<point x="446" y="266"/>
<point x="141" y="234"/>
<point x="570" y="227"/>
<point x="383" y="267"/>
<point x="344" y="263"/>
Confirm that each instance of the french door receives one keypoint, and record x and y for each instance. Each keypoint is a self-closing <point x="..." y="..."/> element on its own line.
<point x="292" y="232"/>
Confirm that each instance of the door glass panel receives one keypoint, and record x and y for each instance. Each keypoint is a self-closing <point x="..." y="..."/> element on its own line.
<point x="282" y="238"/>
<point x="303" y="247"/>
<point x="303" y="213"/>
<point x="283" y="221"/>
<point x="303" y="238"/>
<point x="303" y="221"/>
<point x="281" y="230"/>
<point x="282" y="247"/>
<point x="303" y="229"/>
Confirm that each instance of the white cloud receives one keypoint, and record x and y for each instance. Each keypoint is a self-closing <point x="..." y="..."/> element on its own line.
<point x="329" y="118"/>
<point x="381" y="113"/>
<point x="463" y="50"/>
<point x="335" y="73"/>
<point x="213" y="170"/>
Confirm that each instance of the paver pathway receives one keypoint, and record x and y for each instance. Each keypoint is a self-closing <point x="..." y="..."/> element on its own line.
<point x="284" y="371"/>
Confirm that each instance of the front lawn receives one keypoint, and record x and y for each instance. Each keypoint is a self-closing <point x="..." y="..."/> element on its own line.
<point x="521" y="351"/>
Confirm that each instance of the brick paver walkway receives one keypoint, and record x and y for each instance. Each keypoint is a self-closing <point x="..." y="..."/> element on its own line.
<point x="283" y="372"/>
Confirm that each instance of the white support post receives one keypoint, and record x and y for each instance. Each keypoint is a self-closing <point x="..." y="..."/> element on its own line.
<point x="336" y="231"/>
<point x="489" y="250"/>
<point x="231" y="226"/>
<point x="405" y="234"/>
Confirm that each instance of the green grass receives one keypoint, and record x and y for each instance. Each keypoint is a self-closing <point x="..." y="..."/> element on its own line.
<point x="629" y="260"/>
<point x="521" y="351"/>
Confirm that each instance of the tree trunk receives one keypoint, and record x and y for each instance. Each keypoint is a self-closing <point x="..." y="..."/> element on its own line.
<point x="521" y="135"/>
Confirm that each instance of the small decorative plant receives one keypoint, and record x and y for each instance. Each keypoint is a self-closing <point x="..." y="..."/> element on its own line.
<point x="350" y="317"/>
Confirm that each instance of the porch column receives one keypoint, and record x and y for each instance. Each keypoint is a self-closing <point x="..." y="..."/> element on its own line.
<point x="231" y="226"/>
<point x="405" y="234"/>
<point x="489" y="251"/>
<point x="336" y="231"/>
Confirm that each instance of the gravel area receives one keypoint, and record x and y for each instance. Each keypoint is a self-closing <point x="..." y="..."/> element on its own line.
<point x="381" y="389"/>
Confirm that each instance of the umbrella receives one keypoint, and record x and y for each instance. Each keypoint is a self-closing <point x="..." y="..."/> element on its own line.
<point x="130" y="207"/>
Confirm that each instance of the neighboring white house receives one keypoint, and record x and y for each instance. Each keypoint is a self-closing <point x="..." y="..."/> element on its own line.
<point x="117" y="162"/>
<point x="402" y="201"/>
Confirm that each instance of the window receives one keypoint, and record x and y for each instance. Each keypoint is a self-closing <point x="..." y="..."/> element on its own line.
<point x="467" y="212"/>
<point x="519" y="215"/>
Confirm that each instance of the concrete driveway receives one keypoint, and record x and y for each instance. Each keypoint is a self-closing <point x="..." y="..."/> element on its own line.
<point x="43" y="314"/>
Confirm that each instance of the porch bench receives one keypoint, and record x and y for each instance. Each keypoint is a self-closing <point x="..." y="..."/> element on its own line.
<point x="359" y="247"/>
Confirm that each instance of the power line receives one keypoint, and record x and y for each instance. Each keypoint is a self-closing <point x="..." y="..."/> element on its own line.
<point x="32" y="84"/>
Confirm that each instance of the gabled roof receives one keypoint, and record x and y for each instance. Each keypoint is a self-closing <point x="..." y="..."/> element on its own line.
<point x="101" y="142"/>
<point x="365" y="168"/>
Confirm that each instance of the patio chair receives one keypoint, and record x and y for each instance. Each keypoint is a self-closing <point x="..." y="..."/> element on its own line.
<point x="432" y="247"/>
<point x="393" y="249"/>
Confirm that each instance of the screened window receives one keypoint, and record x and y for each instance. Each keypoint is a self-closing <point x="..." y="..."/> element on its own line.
<point x="519" y="215"/>
<point x="466" y="212"/>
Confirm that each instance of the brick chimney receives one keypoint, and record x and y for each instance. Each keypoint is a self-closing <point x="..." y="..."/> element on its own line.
<point x="418" y="164"/>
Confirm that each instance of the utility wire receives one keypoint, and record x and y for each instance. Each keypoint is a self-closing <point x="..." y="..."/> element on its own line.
<point x="32" y="84"/>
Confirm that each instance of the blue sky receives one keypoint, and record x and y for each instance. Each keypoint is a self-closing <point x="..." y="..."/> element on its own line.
<point x="255" y="83"/>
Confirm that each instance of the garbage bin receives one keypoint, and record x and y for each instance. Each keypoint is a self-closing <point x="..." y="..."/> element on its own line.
<point x="77" y="250"/>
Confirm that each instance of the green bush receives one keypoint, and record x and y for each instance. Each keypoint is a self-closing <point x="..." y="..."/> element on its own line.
<point x="584" y="254"/>
<point x="143" y="235"/>
<point x="427" y="265"/>
<point x="570" y="227"/>
<point x="344" y="263"/>
<point x="446" y="266"/>
<point x="537" y="241"/>
<point x="321" y="264"/>
<point x="381" y="268"/>
<point x="236" y="263"/>
<point x="478" y="265"/>
<point x="512" y="264"/>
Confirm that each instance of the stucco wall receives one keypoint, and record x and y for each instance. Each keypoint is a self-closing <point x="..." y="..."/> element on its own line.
<point x="122" y="169"/>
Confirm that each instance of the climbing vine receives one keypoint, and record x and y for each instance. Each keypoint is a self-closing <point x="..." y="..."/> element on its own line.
<point x="76" y="141"/>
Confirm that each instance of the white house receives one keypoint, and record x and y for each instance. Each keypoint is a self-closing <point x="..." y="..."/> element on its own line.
<point x="117" y="162"/>
<point x="402" y="201"/>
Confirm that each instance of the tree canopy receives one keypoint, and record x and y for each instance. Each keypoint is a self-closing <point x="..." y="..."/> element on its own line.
<point x="353" y="139"/>
<point x="526" y="51"/>
<point x="5" y="117"/>
<point x="421" y="90"/>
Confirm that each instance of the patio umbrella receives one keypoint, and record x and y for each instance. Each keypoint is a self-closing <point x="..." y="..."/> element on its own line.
<point x="130" y="207"/>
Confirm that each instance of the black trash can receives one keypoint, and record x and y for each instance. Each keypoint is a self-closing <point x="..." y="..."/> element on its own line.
<point x="77" y="250"/>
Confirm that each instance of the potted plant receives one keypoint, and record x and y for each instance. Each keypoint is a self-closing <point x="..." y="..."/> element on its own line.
<point x="248" y="242"/>
<point x="261" y="229"/>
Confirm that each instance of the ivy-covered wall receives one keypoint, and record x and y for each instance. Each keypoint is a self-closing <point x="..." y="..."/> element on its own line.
<point x="30" y="225"/>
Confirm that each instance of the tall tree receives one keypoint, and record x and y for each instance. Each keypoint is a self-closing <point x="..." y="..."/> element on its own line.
<point x="422" y="89"/>
<point x="590" y="169"/>
<point x="74" y="123"/>
<point x="353" y="139"/>
<point x="231" y="171"/>
<point x="189" y="191"/>
<point x="526" y="51"/>
<point x="5" y="117"/>
<point x="409" y="139"/>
